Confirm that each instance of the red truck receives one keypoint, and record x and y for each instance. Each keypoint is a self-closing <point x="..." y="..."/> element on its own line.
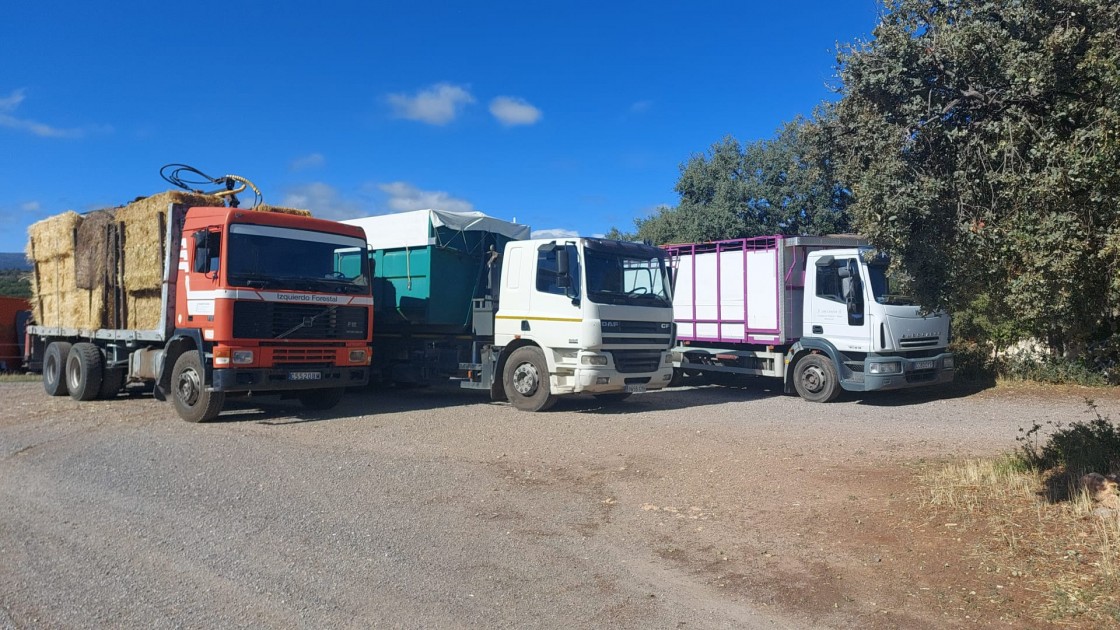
<point x="242" y="301"/>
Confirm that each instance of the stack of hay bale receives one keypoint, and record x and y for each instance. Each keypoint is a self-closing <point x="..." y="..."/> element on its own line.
<point x="105" y="269"/>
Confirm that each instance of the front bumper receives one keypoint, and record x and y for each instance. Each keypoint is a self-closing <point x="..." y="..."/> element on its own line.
<point x="273" y="379"/>
<point x="920" y="372"/>
<point x="605" y="381"/>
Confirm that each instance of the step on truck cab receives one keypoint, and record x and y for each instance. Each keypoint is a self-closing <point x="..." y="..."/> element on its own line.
<point x="817" y="312"/>
<point x="472" y="298"/>
<point x="199" y="302"/>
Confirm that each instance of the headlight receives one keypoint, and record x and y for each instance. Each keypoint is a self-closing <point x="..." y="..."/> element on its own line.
<point x="242" y="357"/>
<point x="593" y="359"/>
<point x="358" y="356"/>
<point x="891" y="367"/>
<point x="947" y="363"/>
<point x="669" y="358"/>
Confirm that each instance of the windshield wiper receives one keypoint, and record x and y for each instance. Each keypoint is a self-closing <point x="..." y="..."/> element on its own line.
<point x="252" y="280"/>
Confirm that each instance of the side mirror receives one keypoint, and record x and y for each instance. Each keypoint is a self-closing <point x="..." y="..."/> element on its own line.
<point x="563" y="279"/>
<point x="853" y="288"/>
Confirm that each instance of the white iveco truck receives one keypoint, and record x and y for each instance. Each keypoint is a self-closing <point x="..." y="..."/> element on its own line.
<point x="817" y="312"/>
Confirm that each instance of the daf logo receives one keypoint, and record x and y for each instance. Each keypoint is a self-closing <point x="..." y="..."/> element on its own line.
<point x="611" y="324"/>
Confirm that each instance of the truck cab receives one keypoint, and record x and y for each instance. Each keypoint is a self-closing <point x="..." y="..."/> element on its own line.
<point x="876" y="339"/>
<point x="582" y="315"/>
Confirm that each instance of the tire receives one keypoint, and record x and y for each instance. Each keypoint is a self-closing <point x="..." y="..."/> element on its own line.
<point x="84" y="368"/>
<point x="321" y="399"/>
<point x="54" y="368"/>
<point x="526" y="380"/>
<point x="192" y="401"/>
<point x="814" y="378"/>
<point x="112" y="382"/>
<point x="678" y="377"/>
<point x="613" y="397"/>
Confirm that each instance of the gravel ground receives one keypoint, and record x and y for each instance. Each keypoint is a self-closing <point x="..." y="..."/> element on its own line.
<point x="709" y="507"/>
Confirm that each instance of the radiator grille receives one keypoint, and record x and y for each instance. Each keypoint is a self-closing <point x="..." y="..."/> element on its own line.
<point x="631" y="361"/>
<point x="919" y="342"/>
<point x="303" y="355"/>
<point x="276" y="320"/>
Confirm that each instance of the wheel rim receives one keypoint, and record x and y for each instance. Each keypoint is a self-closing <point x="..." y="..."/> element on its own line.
<point x="52" y="369"/>
<point x="813" y="378"/>
<point x="189" y="387"/>
<point x="526" y="379"/>
<point x="73" y="375"/>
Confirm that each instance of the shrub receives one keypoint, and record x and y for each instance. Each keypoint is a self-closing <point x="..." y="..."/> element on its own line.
<point x="1074" y="449"/>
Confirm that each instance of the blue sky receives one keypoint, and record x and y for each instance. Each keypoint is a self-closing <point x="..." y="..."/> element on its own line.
<point x="567" y="116"/>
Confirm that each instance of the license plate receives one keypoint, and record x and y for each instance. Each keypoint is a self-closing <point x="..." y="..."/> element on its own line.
<point x="305" y="376"/>
<point x="635" y="389"/>
<point x="924" y="365"/>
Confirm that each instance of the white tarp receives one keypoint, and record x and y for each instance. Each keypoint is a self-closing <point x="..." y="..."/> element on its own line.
<point x="411" y="229"/>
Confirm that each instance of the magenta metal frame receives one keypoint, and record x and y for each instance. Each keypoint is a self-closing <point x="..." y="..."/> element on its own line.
<point x="759" y="243"/>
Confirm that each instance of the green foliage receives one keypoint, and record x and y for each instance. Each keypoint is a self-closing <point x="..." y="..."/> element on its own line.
<point x="784" y="185"/>
<point x="1055" y="370"/>
<point x="981" y="139"/>
<point x="14" y="283"/>
<point x="1074" y="449"/>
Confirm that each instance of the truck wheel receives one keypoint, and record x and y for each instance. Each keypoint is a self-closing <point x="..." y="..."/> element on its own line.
<point x="112" y="381"/>
<point x="612" y="397"/>
<point x="678" y="377"/>
<point x="815" y="379"/>
<point x="84" y="366"/>
<point x="526" y="380"/>
<point x="192" y="401"/>
<point x="321" y="399"/>
<point x="54" y="368"/>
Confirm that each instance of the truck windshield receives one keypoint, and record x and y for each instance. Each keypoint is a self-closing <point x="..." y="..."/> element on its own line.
<point x="881" y="287"/>
<point x="269" y="257"/>
<point x="621" y="277"/>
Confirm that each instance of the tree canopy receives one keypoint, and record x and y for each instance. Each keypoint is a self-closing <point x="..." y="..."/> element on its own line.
<point x="980" y="142"/>
<point x="782" y="185"/>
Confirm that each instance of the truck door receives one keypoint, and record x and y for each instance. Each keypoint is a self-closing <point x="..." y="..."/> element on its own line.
<point x="200" y="281"/>
<point x="837" y="309"/>
<point x="556" y="296"/>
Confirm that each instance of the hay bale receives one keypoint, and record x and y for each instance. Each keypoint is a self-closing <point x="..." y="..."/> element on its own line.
<point x="52" y="237"/>
<point x="143" y="309"/>
<point x="91" y="251"/>
<point x="84" y="308"/>
<point x="282" y="210"/>
<point x="55" y="275"/>
<point x="144" y="225"/>
<point x="48" y="311"/>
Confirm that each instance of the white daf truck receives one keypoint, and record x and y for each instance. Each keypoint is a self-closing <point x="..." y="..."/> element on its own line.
<point x="816" y="312"/>
<point x="465" y="296"/>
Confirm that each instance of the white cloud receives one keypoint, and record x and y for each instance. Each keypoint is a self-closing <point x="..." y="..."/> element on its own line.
<point x="511" y="111"/>
<point x="311" y="160"/>
<point x="324" y="201"/>
<point x="31" y="206"/>
<point x="403" y="196"/>
<point x="554" y="233"/>
<point x="436" y="105"/>
<point x="8" y="106"/>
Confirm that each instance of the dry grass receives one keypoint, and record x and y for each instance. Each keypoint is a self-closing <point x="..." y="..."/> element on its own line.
<point x="13" y="377"/>
<point x="1058" y="540"/>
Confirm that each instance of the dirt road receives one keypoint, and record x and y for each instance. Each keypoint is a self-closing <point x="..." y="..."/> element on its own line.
<point x="696" y="508"/>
